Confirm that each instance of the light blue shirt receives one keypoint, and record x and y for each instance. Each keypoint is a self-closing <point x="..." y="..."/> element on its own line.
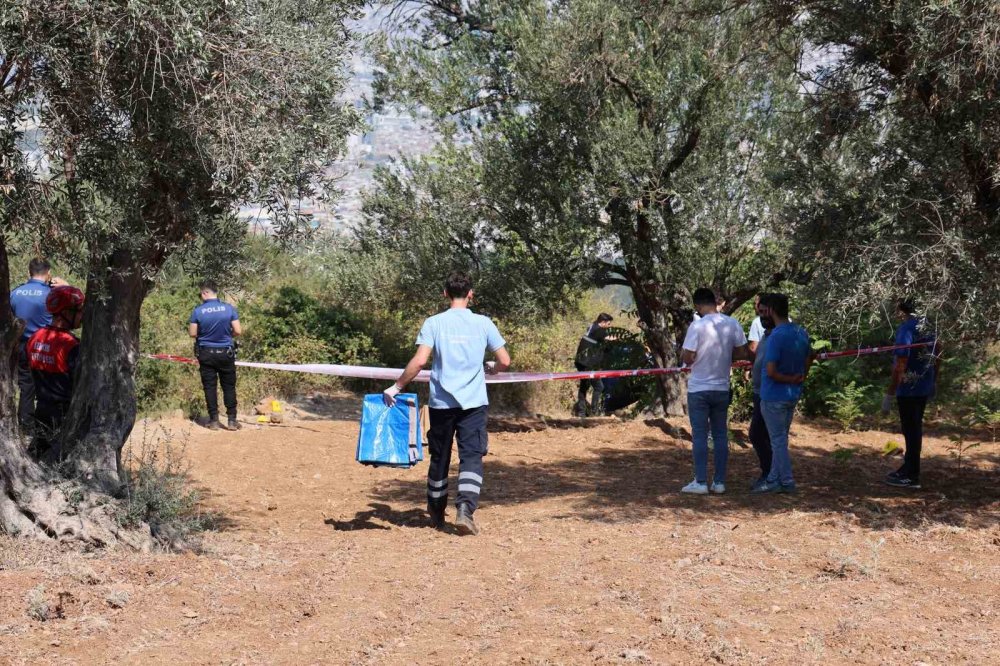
<point x="460" y="339"/>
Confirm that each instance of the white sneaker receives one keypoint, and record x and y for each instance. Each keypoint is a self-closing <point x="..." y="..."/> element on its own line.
<point x="695" y="488"/>
<point x="718" y="488"/>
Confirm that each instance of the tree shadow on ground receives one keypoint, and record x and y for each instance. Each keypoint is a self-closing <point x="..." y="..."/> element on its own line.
<point x="515" y="424"/>
<point x="628" y="484"/>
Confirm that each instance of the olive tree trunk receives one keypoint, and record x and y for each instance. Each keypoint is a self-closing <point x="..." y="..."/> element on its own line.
<point x="34" y="501"/>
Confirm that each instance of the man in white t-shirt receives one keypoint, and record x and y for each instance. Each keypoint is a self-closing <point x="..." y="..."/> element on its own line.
<point x="756" y="328"/>
<point x="711" y="345"/>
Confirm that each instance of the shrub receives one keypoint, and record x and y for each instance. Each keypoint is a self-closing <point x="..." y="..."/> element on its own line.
<point x="846" y="405"/>
<point x="159" y="490"/>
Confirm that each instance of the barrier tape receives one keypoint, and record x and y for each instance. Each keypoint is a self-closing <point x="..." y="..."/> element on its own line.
<point x="391" y="374"/>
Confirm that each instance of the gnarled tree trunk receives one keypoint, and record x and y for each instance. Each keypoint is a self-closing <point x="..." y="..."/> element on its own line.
<point x="33" y="500"/>
<point x="663" y="310"/>
<point x="104" y="407"/>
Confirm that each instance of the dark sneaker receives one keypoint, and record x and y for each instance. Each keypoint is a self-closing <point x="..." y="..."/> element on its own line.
<point x="765" y="487"/>
<point x="898" y="474"/>
<point x="902" y="482"/>
<point x="234" y="424"/>
<point x="214" y="425"/>
<point x="759" y="480"/>
<point x="437" y="515"/>
<point x="790" y="489"/>
<point x="464" y="521"/>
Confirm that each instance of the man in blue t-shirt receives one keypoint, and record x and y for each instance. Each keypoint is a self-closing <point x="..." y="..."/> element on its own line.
<point x="213" y="325"/>
<point x="787" y="358"/>
<point x="28" y="304"/>
<point x="913" y="383"/>
<point x="458" y="340"/>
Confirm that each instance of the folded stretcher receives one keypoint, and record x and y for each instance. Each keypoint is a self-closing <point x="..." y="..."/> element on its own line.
<point x="390" y="436"/>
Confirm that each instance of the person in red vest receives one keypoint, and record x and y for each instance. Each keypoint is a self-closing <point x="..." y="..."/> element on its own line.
<point x="52" y="355"/>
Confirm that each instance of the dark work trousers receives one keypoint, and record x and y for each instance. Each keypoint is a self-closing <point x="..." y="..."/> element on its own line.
<point x="218" y="363"/>
<point x="48" y="420"/>
<point x="759" y="437"/>
<point x="596" y="400"/>
<point x="26" y="386"/>
<point x="469" y="426"/>
<point x="911" y="419"/>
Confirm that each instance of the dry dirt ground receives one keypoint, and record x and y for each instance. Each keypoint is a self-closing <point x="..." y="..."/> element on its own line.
<point x="587" y="554"/>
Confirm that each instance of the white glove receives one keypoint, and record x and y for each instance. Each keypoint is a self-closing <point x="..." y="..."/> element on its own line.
<point x="490" y="367"/>
<point x="887" y="403"/>
<point x="389" y="395"/>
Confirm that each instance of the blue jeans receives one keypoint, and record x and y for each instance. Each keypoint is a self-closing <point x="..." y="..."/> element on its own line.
<point x="709" y="409"/>
<point x="778" y="417"/>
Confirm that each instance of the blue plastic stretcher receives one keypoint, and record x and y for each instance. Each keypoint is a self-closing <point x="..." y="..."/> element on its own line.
<point x="390" y="436"/>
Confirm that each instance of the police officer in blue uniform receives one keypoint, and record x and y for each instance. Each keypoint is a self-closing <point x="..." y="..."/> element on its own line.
<point x="213" y="325"/>
<point x="28" y="303"/>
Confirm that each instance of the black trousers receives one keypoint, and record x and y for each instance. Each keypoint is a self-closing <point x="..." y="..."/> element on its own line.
<point x="217" y="365"/>
<point x="469" y="426"/>
<point x="26" y="386"/>
<point x="48" y="420"/>
<point x="911" y="419"/>
<point x="759" y="437"/>
<point x="596" y="403"/>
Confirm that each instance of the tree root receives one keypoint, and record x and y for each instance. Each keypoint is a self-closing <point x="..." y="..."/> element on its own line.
<point x="66" y="512"/>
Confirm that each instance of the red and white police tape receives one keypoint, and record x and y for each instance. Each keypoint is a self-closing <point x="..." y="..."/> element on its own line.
<point x="390" y="374"/>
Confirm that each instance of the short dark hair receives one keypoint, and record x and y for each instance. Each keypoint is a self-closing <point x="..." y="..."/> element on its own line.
<point x="778" y="303"/>
<point x="604" y="316"/>
<point x="704" y="296"/>
<point x="209" y="285"/>
<point x="458" y="285"/>
<point x="907" y="305"/>
<point x="38" y="266"/>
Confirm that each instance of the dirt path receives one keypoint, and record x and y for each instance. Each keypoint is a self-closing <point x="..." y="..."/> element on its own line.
<point x="588" y="555"/>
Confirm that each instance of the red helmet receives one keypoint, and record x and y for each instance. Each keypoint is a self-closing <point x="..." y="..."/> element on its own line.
<point x="64" y="298"/>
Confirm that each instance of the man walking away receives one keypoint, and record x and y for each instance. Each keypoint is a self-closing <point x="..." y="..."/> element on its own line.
<point x="52" y="355"/>
<point x="459" y="340"/>
<point x="786" y="361"/>
<point x="589" y="357"/>
<point x="712" y="342"/>
<point x="758" y="429"/>
<point x="213" y="325"/>
<point x="914" y="378"/>
<point x="28" y="304"/>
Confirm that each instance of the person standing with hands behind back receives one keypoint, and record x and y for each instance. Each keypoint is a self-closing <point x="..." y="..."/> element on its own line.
<point x="459" y="340"/>
<point x="213" y="325"/>
<point x="787" y="358"/>
<point x="913" y="382"/>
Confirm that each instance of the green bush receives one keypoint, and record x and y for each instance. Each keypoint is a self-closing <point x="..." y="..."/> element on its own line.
<point x="159" y="490"/>
<point x="846" y="405"/>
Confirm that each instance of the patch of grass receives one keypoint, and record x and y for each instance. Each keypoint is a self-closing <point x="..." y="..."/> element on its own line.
<point x="117" y="599"/>
<point x="159" y="490"/>
<point x="38" y="605"/>
<point x="843" y="454"/>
